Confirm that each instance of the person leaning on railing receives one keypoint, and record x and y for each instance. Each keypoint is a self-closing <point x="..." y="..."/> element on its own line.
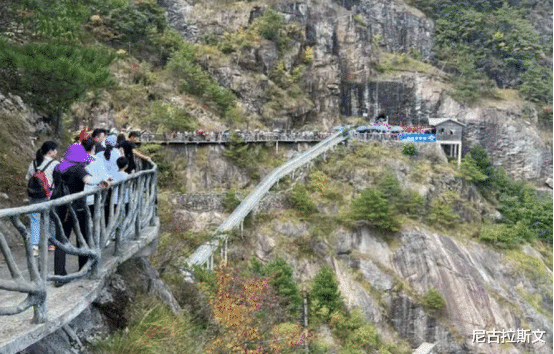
<point x="73" y="174"/>
<point x="130" y="151"/>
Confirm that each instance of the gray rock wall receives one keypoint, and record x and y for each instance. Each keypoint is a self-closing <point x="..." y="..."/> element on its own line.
<point x="512" y="143"/>
<point x="214" y="202"/>
<point x="481" y="289"/>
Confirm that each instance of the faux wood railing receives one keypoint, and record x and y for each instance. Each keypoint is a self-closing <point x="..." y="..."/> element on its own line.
<point x="122" y="226"/>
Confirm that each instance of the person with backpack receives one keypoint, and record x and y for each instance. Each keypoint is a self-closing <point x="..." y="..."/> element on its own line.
<point x="72" y="176"/>
<point x="40" y="183"/>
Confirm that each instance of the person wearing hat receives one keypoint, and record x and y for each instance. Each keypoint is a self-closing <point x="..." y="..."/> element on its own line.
<point x="73" y="174"/>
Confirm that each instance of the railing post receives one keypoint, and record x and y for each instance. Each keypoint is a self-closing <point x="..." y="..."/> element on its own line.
<point x="117" y="247"/>
<point x="154" y="191"/>
<point x="39" y="315"/>
<point x="140" y="196"/>
<point x="95" y="239"/>
<point x="43" y="245"/>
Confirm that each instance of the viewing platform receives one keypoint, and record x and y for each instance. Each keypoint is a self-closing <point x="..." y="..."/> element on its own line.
<point x="32" y="307"/>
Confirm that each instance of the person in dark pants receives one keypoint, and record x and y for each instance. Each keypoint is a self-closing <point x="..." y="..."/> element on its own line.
<point x="73" y="174"/>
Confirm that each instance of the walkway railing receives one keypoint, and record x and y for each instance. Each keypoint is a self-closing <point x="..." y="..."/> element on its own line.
<point x="204" y="254"/>
<point x="247" y="137"/>
<point x="115" y="223"/>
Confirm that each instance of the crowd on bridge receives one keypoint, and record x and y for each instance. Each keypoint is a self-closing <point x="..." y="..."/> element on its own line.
<point x="97" y="158"/>
<point x="226" y="135"/>
<point x="374" y="132"/>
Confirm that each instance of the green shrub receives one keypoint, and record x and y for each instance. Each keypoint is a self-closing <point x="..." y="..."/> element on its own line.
<point x="318" y="181"/>
<point x="243" y="155"/>
<point x="193" y="79"/>
<point x="206" y="278"/>
<point x="132" y="22"/>
<point x="441" y="214"/>
<point x="358" y="18"/>
<point x="506" y="236"/>
<point x="372" y="206"/>
<point x="60" y="21"/>
<point x="301" y="201"/>
<point x="270" y="24"/>
<point x="409" y="149"/>
<point x="470" y="171"/>
<point x="256" y="266"/>
<point x="153" y="328"/>
<point x="365" y="337"/>
<point x="490" y="40"/>
<point x="390" y="188"/>
<point x="230" y="202"/>
<point x="165" y="116"/>
<point x="433" y="300"/>
<point x="413" y="204"/>
<point x="520" y="204"/>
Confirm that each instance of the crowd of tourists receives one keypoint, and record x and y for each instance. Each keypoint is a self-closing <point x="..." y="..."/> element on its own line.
<point x="97" y="158"/>
<point x="223" y="136"/>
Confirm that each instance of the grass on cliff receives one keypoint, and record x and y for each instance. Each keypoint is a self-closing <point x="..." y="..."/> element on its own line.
<point x="154" y="329"/>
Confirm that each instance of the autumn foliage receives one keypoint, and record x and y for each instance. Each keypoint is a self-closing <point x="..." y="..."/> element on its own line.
<point x="248" y="312"/>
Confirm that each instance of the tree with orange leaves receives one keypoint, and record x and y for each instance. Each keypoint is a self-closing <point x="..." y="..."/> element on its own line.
<point x="238" y="307"/>
<point x="248" y="311"/>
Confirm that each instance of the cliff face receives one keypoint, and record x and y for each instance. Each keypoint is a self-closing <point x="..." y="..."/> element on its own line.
<point x="351" y="76"/>
<point x="483" y="289"/>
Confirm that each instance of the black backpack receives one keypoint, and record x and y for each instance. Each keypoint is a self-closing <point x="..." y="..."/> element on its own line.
<point x="38" y="186"/>
<point x="60" y="188"/>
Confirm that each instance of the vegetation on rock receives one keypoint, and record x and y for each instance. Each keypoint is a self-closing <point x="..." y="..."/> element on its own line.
<point x="433" y="300"/>
<point x="372" y="206"/>
<point x="325" y="297"/>
<point x="490" y="43"/>
<point x="301" y="201"/>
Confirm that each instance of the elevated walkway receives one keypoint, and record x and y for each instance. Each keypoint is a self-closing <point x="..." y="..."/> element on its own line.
<point x="204" y="255"/>
<point x="26" y="281"/>
<point x="247" y="137"/>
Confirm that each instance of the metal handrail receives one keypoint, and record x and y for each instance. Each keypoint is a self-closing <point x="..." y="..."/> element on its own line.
<point x="122" y="225"/>
<point x="204" y="253"/>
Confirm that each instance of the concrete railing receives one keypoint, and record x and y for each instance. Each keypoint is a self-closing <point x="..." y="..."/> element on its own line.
<point x="204" y="254"/>
<point x="120" y="225"/>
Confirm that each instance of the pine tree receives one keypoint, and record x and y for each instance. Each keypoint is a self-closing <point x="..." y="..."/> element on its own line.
<point x="390" y="188"/>
<point x="325" y="296"/>
<point x="471" y="171"/>
<point x="301" y="201"/>
<point x="280" y="274"/>
<point x="371" y="206"/>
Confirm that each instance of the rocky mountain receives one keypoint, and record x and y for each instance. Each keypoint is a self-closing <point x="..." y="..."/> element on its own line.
<point x="387" y="276"/>
<point x="328" y="63"/>
<point x="361" y="68"/>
